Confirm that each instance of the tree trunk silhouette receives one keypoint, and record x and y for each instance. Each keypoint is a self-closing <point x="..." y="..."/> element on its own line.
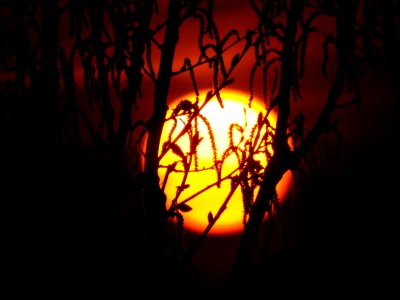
<point x="279" y="163"/>
<point x="154" y="198"/>
<point x="284" y="160"/>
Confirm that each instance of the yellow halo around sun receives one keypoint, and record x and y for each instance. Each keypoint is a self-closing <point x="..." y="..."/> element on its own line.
<point x="235" y="111"/>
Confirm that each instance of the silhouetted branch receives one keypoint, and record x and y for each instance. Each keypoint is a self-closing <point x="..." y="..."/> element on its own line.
<point x="154" y="198"/>
<point x="213" y="219"/>
<point x="140" y="38"/>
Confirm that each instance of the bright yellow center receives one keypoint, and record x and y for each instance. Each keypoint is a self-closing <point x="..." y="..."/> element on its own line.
<point x="235" y="111"/>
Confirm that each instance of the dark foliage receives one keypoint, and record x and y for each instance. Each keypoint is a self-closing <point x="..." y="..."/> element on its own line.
<point x="85" y="199"/>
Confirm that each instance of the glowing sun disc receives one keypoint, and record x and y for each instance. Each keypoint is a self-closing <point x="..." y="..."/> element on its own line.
<point x="219" y="119"/>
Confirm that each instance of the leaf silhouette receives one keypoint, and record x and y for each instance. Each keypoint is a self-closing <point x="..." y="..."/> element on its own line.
<point x="210" y="217"/>
<point x="195" y="142"/>
<point x="183" y="187"/>
<point x="177" y="150"/>
<point x="328" y="40"/>
<point x="235" y="60"/>
<point x="260" y="119"/>
<point x="209" y="95"/>
<point x="184" y="207"/>
<point x="228" y="82"/>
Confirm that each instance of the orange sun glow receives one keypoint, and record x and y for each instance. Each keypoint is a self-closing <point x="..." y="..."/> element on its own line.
<point x="235" y="111"/>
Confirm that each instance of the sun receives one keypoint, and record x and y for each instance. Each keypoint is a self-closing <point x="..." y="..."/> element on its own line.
<point x="198" y="189"/>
